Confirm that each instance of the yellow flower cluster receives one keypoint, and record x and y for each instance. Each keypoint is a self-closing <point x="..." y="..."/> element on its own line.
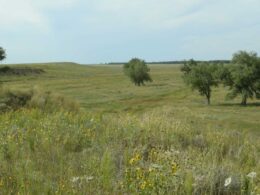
<point x="135" y="159"/>
<point x="151" y="174"/>
<point x="143" y="185"/>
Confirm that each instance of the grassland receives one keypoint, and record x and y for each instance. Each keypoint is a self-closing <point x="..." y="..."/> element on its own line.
<point x="104" y="89"/>
<point x="161" y="138"/>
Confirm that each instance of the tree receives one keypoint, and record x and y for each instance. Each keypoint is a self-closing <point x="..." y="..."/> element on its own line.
<point x="186" y="68"/>
<point x="2" y="54"/>
<point x="138" y="71"/>
<point x="243" y="76"/>
<point x="201" y="77"/>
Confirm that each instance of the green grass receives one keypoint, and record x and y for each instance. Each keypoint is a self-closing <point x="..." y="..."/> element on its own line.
<point x="161" y="138"/>
<point x="105" y="89"/>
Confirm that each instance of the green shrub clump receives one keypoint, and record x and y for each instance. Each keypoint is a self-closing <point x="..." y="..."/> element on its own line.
<point x="14" y="99"/>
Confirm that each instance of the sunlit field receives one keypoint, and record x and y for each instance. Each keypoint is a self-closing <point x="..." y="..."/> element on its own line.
<point x="160" y="138"/>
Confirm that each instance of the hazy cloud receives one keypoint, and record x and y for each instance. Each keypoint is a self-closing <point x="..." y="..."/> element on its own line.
<point x="29" y="12"/>
<point x="109" y="30"/>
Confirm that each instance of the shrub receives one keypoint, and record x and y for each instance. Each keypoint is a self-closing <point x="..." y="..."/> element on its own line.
<point x="5" y="69"/>
<point x="14" y="99"/>
<point x="138" y="71"/>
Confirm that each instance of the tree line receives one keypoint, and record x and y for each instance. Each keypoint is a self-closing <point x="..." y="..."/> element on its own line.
<point x="241" y="75"/>
<point x="177" y="62"/>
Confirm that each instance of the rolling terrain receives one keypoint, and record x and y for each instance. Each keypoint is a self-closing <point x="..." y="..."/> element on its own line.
<point x="160" y="138"/>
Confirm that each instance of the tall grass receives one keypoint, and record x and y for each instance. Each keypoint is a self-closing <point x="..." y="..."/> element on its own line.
<point x="136" y="146"/>
<point x="13" y="99"/>
<point x="151" y="153"/>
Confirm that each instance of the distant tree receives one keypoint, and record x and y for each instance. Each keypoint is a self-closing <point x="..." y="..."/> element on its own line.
<point x="243" y="76"/>
<point x="2" y="54"/>
<point x="138" y="71"/>
<point x="201" y="77"/>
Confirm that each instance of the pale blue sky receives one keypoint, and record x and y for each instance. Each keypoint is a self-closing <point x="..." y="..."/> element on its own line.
<point x="94" y="31"/>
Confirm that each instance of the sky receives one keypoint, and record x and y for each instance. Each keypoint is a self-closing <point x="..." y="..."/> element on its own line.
<point x="102" y="31"/>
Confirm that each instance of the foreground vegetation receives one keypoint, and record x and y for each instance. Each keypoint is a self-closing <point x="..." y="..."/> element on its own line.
<point x="153" y="153"/>
<point x="156" y="139"/>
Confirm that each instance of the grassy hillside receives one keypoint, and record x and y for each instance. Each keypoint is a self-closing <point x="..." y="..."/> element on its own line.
<point x="104" y="89"/>
<point x="158" y="139"/>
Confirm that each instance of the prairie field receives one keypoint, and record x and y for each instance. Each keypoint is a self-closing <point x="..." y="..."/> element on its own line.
<point x="160" y="138"/>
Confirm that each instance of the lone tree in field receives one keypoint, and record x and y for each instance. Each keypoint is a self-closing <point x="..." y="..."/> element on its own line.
<point x="201" y="77"/>
<point x="2" y="54"/>
<point x="243" y="76"/>
<point x="138" y="71"/>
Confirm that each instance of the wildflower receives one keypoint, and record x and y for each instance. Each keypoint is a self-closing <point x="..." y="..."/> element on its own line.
<point x="143" y="185"/>
<point x="139" y="173"/>
<point x="131" y="161"/>
<point x="251" y="175"/>
<point x="228" y="181"/>
<point x="80" y="179"/>
<point x="174" y="167"/>
<point x="89" y="178"/>
<point x="135" y="159"/>
<point x="121" y="184"/>
<point x="156" y="166"/>
<point x="75" y="179"/>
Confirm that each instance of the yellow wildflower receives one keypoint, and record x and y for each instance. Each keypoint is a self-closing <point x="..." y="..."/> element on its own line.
<point x="143" y="185"/>
<point x="138" y="157"/>
<point x="132" y="161"/>
<point x="135" y="159"/>
<point x="174" y="167"/>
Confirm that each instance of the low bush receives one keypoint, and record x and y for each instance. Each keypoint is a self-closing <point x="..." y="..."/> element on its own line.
<point x="22" y="71"/>
<point x="14" y="99"/>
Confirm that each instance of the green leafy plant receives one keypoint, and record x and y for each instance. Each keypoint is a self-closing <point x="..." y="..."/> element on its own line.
<point x="138" y="71"/>
<point x="201" y="77"/>
<point x="243" y="76"/>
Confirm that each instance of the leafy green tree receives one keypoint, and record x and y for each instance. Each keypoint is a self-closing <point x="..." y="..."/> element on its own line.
<point x="201" y="77"/>
<point x="138" y="71"/>
<point x="186" y="68"/>
<point x="243" y="76"/>
<point x="2" y="54"/>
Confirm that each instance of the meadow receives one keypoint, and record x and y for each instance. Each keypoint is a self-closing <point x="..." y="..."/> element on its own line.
<point x="160" y="138"/>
